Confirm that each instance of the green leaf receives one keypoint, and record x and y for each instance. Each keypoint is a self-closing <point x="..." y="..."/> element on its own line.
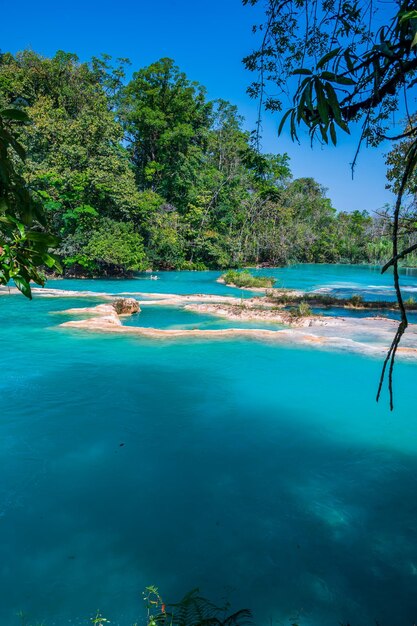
<point x="14" y="114"/>
<point x="49" y="260"/>
<point x="302" y="85"/>
<point x="303" y="71"/>
<point x="323" y="134"/>
<point x="333" y="133"/>
<point x="15" y="144"/>
<point x="322" y="105"/>
<point x="333" y="102"/>
<point x="58" y="264"/>
<point x="343" y="80"/>
<point x="23" y="286"/>
<point x="46" y="238"/>
<point x="292" y="126"/>
<point x="328" y="57"/>
<point x="327" y="76"/>
<point x="309" y="96"/>
<point x="408" y="15"/>
<point x="343" y="126"/>
<point x="283" y="120"/>
<point x="348" y="60"/>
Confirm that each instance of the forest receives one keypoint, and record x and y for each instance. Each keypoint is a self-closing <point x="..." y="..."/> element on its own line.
<point x="149" y="173"/>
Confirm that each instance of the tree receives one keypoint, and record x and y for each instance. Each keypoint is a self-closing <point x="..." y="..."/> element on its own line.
<point x="342" y="69"/>
<point x="217" y="205"/>
<point x="166" y="117"/>
<point x="155" y="155"/>
<point x="24" y="243"/>
<point x="165" y="238"/>
<point x="116" y="245"/>
<point x="75" y="157"/>
<point x="354" y="235"/>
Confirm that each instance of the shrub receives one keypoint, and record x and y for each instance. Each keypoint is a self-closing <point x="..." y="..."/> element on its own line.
<point x="301" y="310"/>
<point x="246" y="279"/>
<point x="356" y="300"/>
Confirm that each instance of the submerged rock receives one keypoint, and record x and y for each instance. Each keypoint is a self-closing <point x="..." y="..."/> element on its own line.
<point x="126" y="306"/>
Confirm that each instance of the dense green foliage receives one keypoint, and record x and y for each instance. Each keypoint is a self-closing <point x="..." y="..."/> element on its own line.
<point x="24" y="243"/>
<point x="246" y="279"/>
<point x="341" y="62"/>
<point x="149" y="173"/>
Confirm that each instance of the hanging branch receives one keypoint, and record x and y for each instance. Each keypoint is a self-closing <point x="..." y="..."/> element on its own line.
<point x="346" y="72"/>
<point x="399" y="256"/>
<point x="411" y="159"/>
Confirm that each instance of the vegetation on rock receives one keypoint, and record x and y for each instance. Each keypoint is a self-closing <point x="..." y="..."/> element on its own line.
<point x="247" y="280"/>
<point x="301" y="310"/>
<point x="318" y="300"/>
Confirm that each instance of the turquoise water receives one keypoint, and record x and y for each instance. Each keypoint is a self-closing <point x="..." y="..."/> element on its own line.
<point x="264" y="474"/>
<point x="345" y="280"/>
<point x="342" y="280"/>
<point x="171" y="318"/>
<point x="168" y="282"/>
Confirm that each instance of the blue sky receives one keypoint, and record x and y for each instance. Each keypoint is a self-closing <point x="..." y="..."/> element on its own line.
<point x="208" y="41"/>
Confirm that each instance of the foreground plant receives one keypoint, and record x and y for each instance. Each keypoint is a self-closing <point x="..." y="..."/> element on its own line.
<point x="192" y="610"/>
<point x="99" y="620"/>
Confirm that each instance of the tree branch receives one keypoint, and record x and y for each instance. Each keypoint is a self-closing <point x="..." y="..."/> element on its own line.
<point x="349" y="111"/>
<point x="399" y="256"/>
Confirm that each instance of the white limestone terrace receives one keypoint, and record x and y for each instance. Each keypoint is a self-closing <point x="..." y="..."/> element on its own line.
<point x="366" y="335"/>
<point x="371" y="336"/>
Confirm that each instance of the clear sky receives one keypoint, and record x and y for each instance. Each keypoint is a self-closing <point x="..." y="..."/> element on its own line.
<point x="208" y="41"/>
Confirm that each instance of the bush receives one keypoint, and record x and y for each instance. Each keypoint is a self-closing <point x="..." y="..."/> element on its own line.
<point x="301" y="310"/>
<point x="356" y="300"/>
<point x="246" y="279"/>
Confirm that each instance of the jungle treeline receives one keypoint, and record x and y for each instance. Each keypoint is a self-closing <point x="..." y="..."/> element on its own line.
<point x="149" y="173"/>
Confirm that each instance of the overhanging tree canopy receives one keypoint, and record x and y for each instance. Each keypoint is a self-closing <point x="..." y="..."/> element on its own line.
<point x="344" y="62"/>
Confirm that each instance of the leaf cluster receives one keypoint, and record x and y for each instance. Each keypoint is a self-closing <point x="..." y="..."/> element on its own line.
<point x="24" y="243"/>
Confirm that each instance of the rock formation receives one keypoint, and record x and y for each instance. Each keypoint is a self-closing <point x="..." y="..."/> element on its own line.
<point x="126" y="306"/>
